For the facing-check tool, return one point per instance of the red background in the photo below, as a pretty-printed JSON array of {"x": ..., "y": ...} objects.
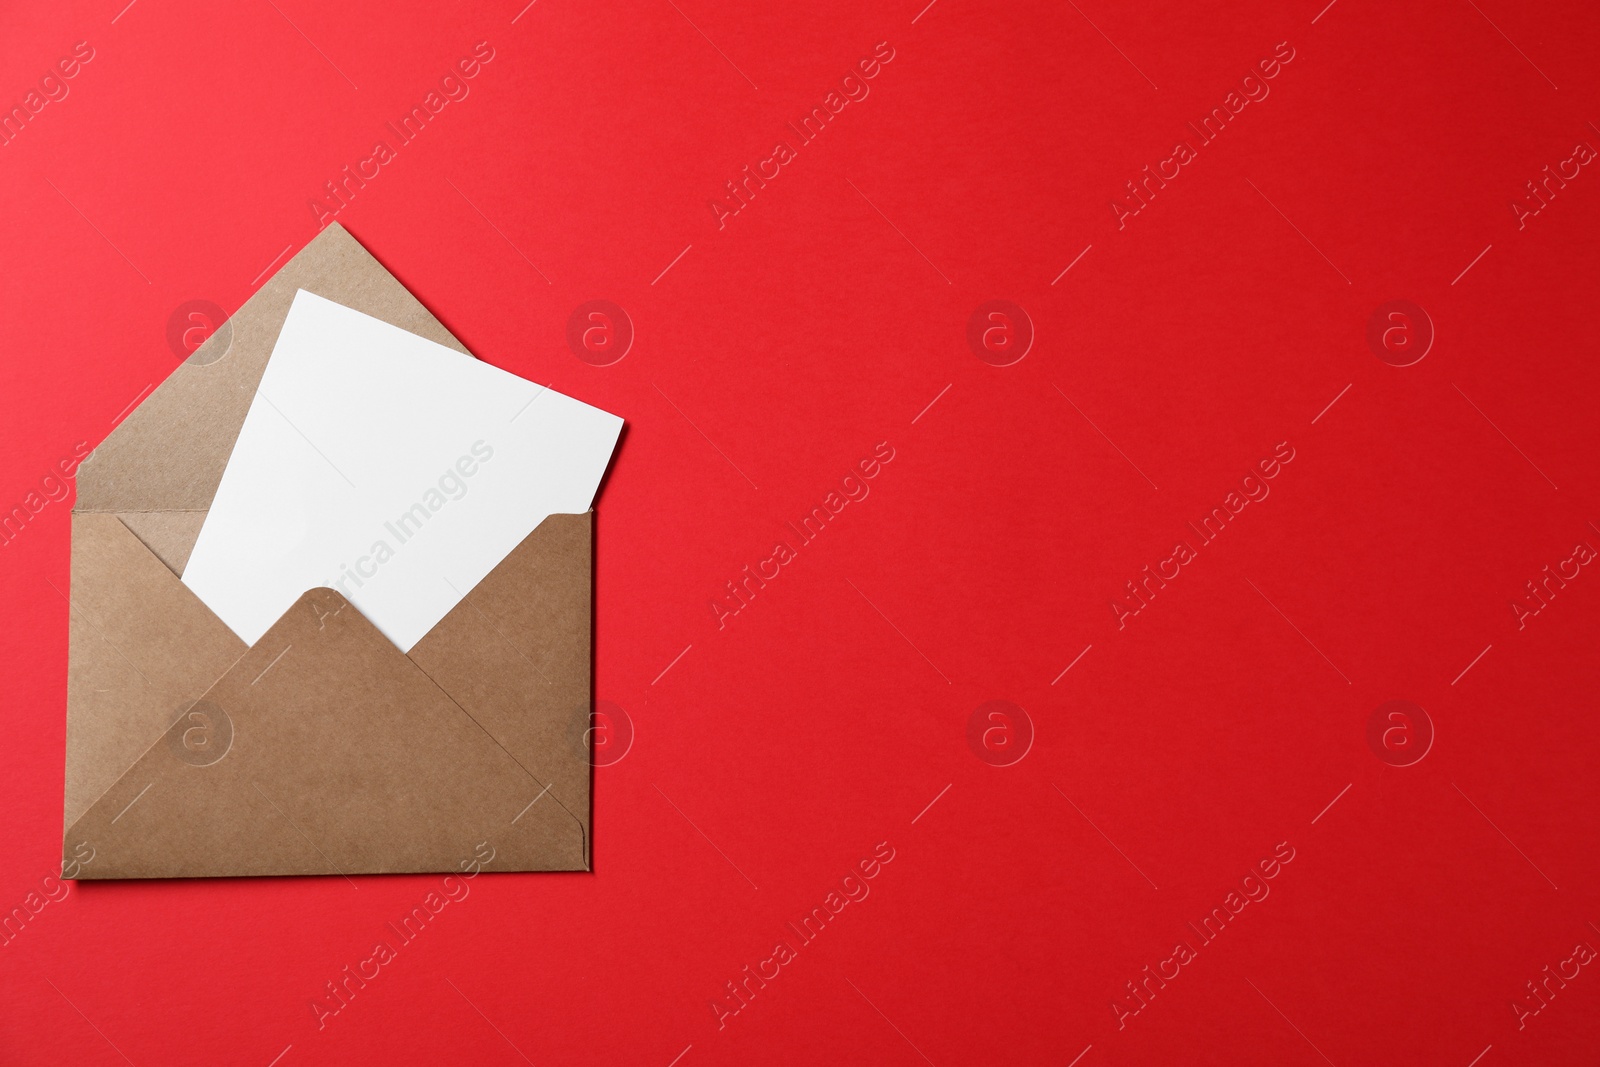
[{"x": 824, "y": 717}]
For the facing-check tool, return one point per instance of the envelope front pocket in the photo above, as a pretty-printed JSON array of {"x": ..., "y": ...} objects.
[{"x": 323, "y": 750}]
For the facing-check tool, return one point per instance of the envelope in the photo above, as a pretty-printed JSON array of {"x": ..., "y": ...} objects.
[{"x": 320, "y": 749}]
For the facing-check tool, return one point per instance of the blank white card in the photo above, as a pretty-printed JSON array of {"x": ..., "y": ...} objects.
[{"x": 391, "y": 468}]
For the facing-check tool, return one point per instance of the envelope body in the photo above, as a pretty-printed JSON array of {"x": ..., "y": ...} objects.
[{"x": 320, "y": 749}]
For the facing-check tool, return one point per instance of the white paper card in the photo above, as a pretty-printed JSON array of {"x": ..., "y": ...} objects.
[{"x": 391, "y": 468}]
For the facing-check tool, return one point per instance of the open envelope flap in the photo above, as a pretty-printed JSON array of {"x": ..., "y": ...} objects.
[
  {"x": 324, "y": 750},
  {"x": 170, "y": 452}
]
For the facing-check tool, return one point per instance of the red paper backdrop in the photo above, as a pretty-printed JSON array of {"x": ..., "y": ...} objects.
[{"x": 1172, "y": 350}]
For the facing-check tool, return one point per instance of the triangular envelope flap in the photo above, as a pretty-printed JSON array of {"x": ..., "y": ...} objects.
[
  {"x": 170, "y": 452},
  {"x": 516, "y": 654},
  {"x": 141, "y": 646},
  {"x": 324, "y": 750},
  {"x": 171, "y": 535}
]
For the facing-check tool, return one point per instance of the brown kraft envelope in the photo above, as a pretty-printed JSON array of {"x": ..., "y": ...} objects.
[{"x": 322, "y": 749}]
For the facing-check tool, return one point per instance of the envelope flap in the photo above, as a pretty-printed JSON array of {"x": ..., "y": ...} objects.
[
  {"x": 324, "y": 750},
  {"x": 171, "y": 535},
  {"x": 170, "y": 452},
  {"x": 141, "y": 647},
  {"x": 515, "y": 653}
]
